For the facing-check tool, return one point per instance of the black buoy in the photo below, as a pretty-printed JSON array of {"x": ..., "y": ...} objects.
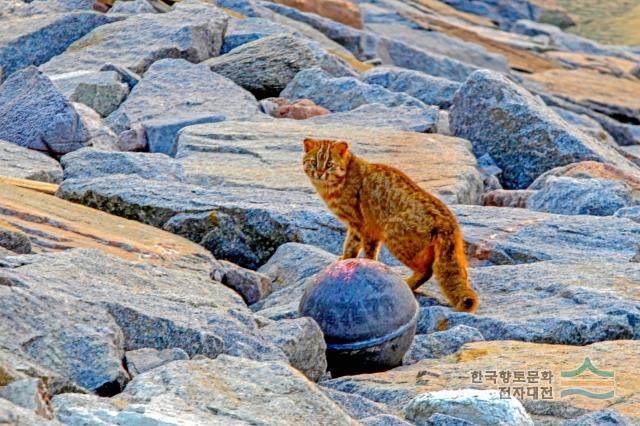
[{"x": 367, "y": 312}]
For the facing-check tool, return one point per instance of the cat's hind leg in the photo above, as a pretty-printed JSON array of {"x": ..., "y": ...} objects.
[
  {"x": 422, "y": 266},
  {"x": 371, "y": 248},
  {"x": 352, "y": 245}
]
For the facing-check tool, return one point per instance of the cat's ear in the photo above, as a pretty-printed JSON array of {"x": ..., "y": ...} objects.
[
  {"x": 308, "y": 144},
  {"x": 341, "y": 148}
]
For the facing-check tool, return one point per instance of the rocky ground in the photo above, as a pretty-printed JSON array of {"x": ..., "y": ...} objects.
[{"x": 157, "y": 230}]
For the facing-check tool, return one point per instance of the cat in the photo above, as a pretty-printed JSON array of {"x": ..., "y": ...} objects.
[{"x": 380, "y": 204}]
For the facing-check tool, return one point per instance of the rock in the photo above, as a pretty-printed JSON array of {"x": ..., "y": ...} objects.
[
  {"x": 298, "y": 110},
  {"x": 35, "y": 115},
  {"x": 157, "y": 102},
  {"x": 479, "y": 406},
  {"x": 440, "y": 343},
  {"x": 429, "y": 89},
  {"x": 210, "y": 391},
  {"x": 590, "y": 169},
  {"x": 409, "y": 119},
  {"x": 586, "y": 124},
  {"x": 341, "y": 11},
  {"x": 516, "y": 198},
  {"x": 384, "y": 420},
  {"x": 89, "y": 163},
  {"x": 632, "y": 213},
  {"x": 599, "y": 418},
  {"x": 12, "y": 414},
  {"x": 102, "y": 91},
  {"x": 505, "y": 14},
  {"x": 35, "y": 40},
  {"x": 442, "y": 45},
  {"x": 357, "y": 406},
  {"x": 615, "y": 97},
  {"x": 126, "y": 76},
  {"x": 342, "y": 94},
  {"x": 15, "y": 241},
  {"x": 399, "y": 386},
  {"x": 192, "y": 31},
  {"x": 242, "y": 31},
  {"x": 442, "y": 127},
  {"x": 142, "y": 360},
  {"x": 565, "y": 195},
  {"x": 67, "y": 336},
  {"x": 252, "y": 286},
  {"x": 23, "y": 163},
  {"x": 302, "y": 341},
  {"x": 100, "y": 135},
  {"x": 438, "y": 419},
  {"x": 150, "y": 303},
  {"x": 265, "y": 66},
  {"x": 30, "y": 394},
  {"x": 132, "y": 7},
  {"x": 523, "y": 136}
]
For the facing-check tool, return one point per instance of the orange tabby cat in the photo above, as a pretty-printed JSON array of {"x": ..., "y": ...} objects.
[{"x": 380, "y": 204}]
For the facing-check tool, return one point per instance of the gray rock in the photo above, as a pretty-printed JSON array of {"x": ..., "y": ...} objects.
[
  {"x": 410, "y": 119},
  {"x": 102, "y": 91},
  {"x": 523, "y": 136},
  {"x": 265, "y": 66},
  {"x": 251, "y": 285},
  {"x": 23, "y": 163},
  {"x": 15, "y": 241},
  {"x": 21, "y": 8},
  {"x": 192, "y": 31},
  {"x": 384, "y": 420},
  {"x": 548, "y": 302},
  {"x": 100, "y": 135},
  {"x": 69, "y": 337},
  {"x": 586, "y": 124},
  {"x": 35, "y": 115},
  {"x": 440, "y": 343},
  {"x": 12, "y": 414},
  {"x": 632, "y": 213},
  {"x": 226, "y": 390},
  {"x": 357, "y": 406},
  {"x": 89, "y": 163},
  {"x": 342, "y": 94},
  {"x": 429, "y": 89},
  {"x": 302, "y": 341},
  {"x": 132, "y": 7},
  {"x": 30, "y": 394},
  {"x": 158, "y": 104},
  {"x": 35, "y": 40},
  {"x": 482, "y": 407},
  {"x": 151, "y": 305},
  {"x": 438, "y": 419},
  {"x": 126, "y": 76},
  {"x": 142, "y": 360},
  {"x": 439, "y": 43},
  {"x": 571, "y": 196},
  {"x": 242, "y": 31},
  {"x": 599, "y": 418}
]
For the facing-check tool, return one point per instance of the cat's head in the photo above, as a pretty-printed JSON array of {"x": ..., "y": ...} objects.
[{"x": 325, "y": 161}]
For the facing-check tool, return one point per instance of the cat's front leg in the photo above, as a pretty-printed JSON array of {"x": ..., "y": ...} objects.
[
  {"x": 371, "y": 248},
  {"x": 352, "y": 245}
]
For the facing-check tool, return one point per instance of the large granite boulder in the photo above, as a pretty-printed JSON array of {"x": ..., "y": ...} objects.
[
  {"x": 565, "y": 195},
  {"x": 192, "y": 31},
  {"x": 157, "y": 107},
  {"x": 23, "y": 163},
  {"x": 342, "y": 94},
  {"x": 429, "y": 89},
  {"x": 225, "y": 390},
  {"x": 265, "y": 66},
  {"x": 523, "y": 136},
  {"x": 35, "y": 40},
  {"x": 35, "y": 115}
]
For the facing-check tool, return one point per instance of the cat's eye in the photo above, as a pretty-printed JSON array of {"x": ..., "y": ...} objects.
[{"x": 329, "y": 165}]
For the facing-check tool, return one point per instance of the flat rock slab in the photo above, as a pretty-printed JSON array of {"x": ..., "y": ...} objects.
[
  {"x": 269, "y": 155},
  {"x": 54, "y": 224},
  {"x": 192, "y": 31},
  {"x": 616, "y": 97},
  {"x": 23, "y": 163},
  {"x": 396, "y": 387},
  {"x": 35, "y": 40},
  {"x": 223, "y": 391},
  {"x": 149, "y": 303},
  {"x": 159, "y": 105}
]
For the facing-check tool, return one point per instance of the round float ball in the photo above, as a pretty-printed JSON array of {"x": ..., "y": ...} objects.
[{"x": 367, "y": 312}]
